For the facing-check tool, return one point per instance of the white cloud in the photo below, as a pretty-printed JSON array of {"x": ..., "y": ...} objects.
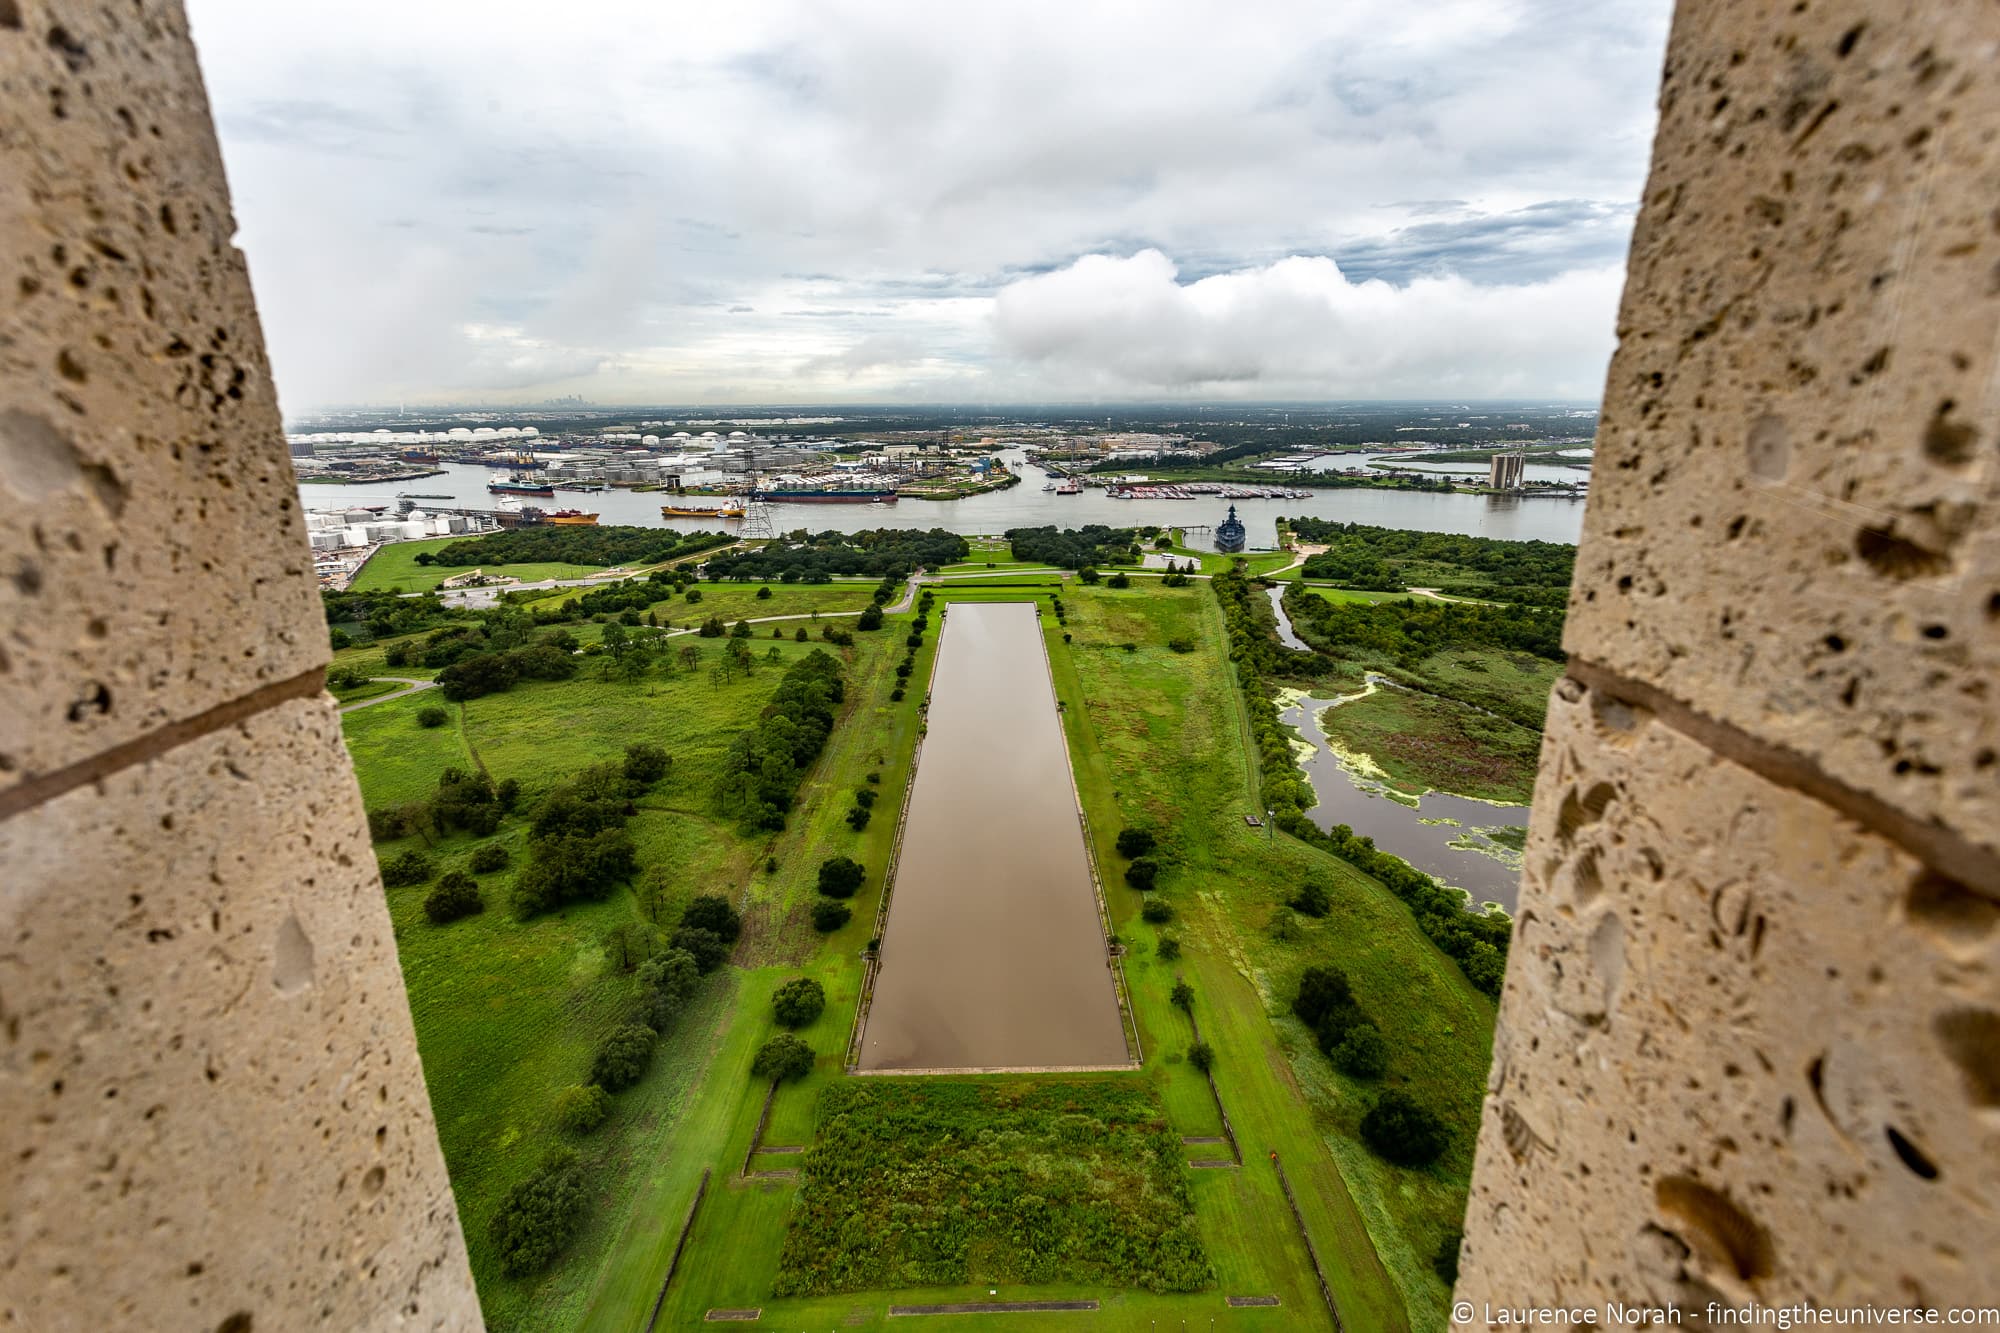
[{"x": 1299, "y": 328}]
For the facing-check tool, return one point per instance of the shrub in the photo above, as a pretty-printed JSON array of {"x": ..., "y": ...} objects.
[
  {"x": 874, "y": 779},
  {"x": 646, "y": 763},
  {"x": 1285, "y": 925},
  {"x": 455, "y": 896},
  {"x": 783, "y": 1056},
  {"x": 1322, "y": 991},
  {"x": 581, "y": 1107},
  {"x": 712, "y": 912},
  {"x": 829, "y": 916},
  {"x": 706, "y": 946},
  {"x": 764, "y": 594},
  {"x": 798, "y": 1002},
  {"x": 1362, "y": 1053},
  {"x": 1135, "y": 842},
  {"x": 865, "y": 796},
  {"x": 1403, "y": 1131},
  {"x": 1202, "y": 1056},
  {"x": 800, "y": 636},
  {"x": 622, "y": 1057},
  {"x": 913, "y": 641},
  {"x": 1118, "y": 580},
  {"x": 486, "y": 858},
  {"x": 840, "y": 876},
  {"x": 1169, "y": 949},
  {"x": 412, "y": 867},
  {"x": 540, "y": 1215},
  {"x": 896, "y": 695},
  {"x": 1313, "y": 899},
  {"x": 430, "y": 715},
  {"x": 770, "y": 865},
  {"x": 1142, "y": 873},
  {"x": 711, "y": 628},
  {"x": 694, "y": 594},
  {"x": 740, "y": 630},
  {"x": 1157, "y": 911},
  {"x": 1183, "y": 997},
  {"x": 839, "y": 638},
  {"x": 1088, "y": 574},
  {"x": 1179, "y": 645},
  {"x": 386, "y": 822},
  {"x": 857, "y": 818},
  {"x": 871, "y": 619}
]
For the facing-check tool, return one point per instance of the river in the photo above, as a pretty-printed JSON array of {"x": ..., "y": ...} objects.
[
  {"x": 994, "y": 956},
  {"x": 1422, "y": 834},
  {"x": 1512, "y": 518}
]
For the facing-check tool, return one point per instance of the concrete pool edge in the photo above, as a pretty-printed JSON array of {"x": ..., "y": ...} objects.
[{"x": 1113, "y": 953}]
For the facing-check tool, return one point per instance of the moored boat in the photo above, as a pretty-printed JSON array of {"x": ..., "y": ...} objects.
[
  {"x": 571, "y": 517},
  {"x": 696, "y": 511},
  {"x": 520, "y": 488},
  {"x": 828, "y": 497}
]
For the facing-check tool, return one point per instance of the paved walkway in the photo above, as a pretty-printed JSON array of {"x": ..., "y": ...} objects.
[{"x": 410, "y": 687}]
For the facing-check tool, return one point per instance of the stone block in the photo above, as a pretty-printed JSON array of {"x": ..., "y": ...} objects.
[
  {"x": 153, "y": 564},
  {"x": 1746, "y": 1050},
  {"x": 1794, "y": 523},
  {"x": 215, "y": 1113}
]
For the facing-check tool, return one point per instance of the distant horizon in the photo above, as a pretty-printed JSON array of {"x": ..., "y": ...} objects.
[{"x": 886, "y": 406}]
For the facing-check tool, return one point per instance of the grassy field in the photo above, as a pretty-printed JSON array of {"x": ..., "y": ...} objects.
[
  {"x": 1426, "y": 742},
  {"x": 984, "y": 1181},
  {"x": 394, "y": 568},
  {"x": 507, "y": 1011}
]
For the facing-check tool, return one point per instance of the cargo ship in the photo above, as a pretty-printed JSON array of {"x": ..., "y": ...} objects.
[
  {"x": 520, "y": 488},
  {"x": 418, "y": 456},
  {"x": 828, "y": 497},
  {"x": 509, "y": 460},
  {"x": 570, "y": 517},
  {"x": 696, "y": 511}
]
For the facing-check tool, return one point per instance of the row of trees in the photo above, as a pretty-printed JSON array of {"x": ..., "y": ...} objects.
[
  {"x": 816, "y": 558},
  {"x": 1075, "y": 548},
  {"x": 765, "y": 765},
  {"x": 611, "y": 544},
  {"x": 1477, "y": 943}
]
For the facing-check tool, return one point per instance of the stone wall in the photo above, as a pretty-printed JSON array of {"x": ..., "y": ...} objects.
[
  {"x": 1749, "y": 1047},
  {"x": 211, "y": 1106}
]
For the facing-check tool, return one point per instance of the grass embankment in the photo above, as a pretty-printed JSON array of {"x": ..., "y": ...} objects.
[
  {"x": 1160, "y": 742},
  {"x": 1425, "y": 742},
  {"x": 394, "y": 568}
]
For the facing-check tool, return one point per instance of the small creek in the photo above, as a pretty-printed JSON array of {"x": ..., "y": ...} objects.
[{"x": 1422, "y": 830}]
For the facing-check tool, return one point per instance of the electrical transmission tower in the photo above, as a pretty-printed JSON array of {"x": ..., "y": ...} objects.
[{"x": 756, "y": 514}]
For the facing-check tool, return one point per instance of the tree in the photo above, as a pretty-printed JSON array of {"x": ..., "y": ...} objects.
[
  {"x": 1158, "y": 911},
  {"x": 430, "y": 715},
  {"x": 616, "y": 639},
  {"x": 581, "y": 1107},
  {"x": 711, "y": 628},
  {"x": 1445, "y": 1262},
  {"x": 798, "y": 1002},
  {"x": 741, "y": 630},
  {"x": 840, "y": 876},
  {"x": 540, "y": 1216},
  {"x": 1183, "y": 997},
  {"x": 667, "y": 981},
  {"x": 800, "y": 635},
  {"x": 412, "y": 867},
  {"x": 486, "y": 858},
  {"x": 712, "y": 912},
  {"x": 455, "y": 896},
  {"x": 871, "y": 618},
  {"x": 706, "y": 947},
  {"x": 622, "y": 1057},
  {"x": 783, "y": 1056},
  {"x": 1135, "y": 842},
  {"x": 1201, "y": 1055},
  {"x": 1314, "y": 898},
  {"x": 1403, "y": 1131},
  {"x": 1118, "y": 580},
  {"x": 764, "y": 594},
  {"x": 1362, "y": 1053},
  {"x": 857, "y": 818},
  {"x": 1142, "y": 873},
  {"x": 628, "y": 944},
  {"x": 829, "y": 916},
  {"x": 1169, "y": 948},
  {"x": 1322, "y": 991},
  {"x": 1163, "y": 542}
]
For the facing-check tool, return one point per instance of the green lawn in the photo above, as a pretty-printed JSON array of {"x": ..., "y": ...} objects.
[
  {"x": 739, "y": 601},
  {"x": 395, "y": 568}
]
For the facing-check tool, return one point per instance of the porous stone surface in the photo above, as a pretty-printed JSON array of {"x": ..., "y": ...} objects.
[
  {"x": 153, "y": 562},
  {"x": 209, "y": 1082},
  {"x": 1794, "y": 520},
  {"x": 1747, "y": 1049}
]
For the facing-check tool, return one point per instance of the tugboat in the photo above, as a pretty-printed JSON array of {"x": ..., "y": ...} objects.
[{"x": 1230, "y": 534}]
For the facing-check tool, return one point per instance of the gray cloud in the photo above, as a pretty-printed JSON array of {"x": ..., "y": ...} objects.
[{"x": 754, "y": 202}]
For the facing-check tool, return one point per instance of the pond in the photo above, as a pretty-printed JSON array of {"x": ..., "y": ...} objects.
[
  {"x": 994, "y": 955},
  {"x": 1439, "y": 833}
]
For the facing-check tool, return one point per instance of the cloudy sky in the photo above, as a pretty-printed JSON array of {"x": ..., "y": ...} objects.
[{"x": 840, "y": 200}]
